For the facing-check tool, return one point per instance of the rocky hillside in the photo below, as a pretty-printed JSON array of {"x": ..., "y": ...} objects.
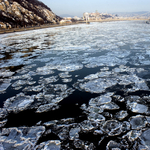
[{"x": 19, "y": 13}]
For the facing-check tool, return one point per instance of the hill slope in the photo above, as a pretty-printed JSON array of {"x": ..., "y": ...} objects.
[{"x": 25, "y": 12}]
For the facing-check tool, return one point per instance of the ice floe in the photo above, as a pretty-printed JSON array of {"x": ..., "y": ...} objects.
[
  {"x": 20, "y": 138},
  {"x": 4, "y": 84}
]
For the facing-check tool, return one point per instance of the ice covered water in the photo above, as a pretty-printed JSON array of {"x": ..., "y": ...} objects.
[{"x": 96, "y": 74}]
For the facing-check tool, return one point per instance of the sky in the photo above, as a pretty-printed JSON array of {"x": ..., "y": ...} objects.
[{"x": 78, "y": 7}]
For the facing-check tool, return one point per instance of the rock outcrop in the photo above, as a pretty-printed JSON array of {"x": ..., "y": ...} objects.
[{"x": 19, "y": 13}]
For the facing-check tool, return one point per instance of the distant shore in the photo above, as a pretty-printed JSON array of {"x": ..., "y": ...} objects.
[{"x": 4, "y": 31}]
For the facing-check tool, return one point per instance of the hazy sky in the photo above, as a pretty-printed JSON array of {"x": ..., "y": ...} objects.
[{"x": 78, "y": 7}]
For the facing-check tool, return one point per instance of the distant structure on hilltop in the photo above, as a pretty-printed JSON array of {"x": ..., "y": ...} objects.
[{"x": 96, "y": 16}]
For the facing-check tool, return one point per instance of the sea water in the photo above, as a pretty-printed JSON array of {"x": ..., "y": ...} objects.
[{"x": 74, "y": 82}]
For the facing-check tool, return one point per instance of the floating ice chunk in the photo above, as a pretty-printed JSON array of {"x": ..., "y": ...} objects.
[
  {"x": 113, "y": 145},
  {"x": 138, "y": 122},
  {"x": 91, "y": 76},
  {"x": 79, "y": 144},
  {"x": 100, "y": 100},
  {"x": 104, "y": 74},
  {"x": 24, "y": 104},
  {"x": 49, "y": 145},
  {"x": 1, "y": 56},
  {"x": 3, "y": 123},
  {"x": 137, "y": 108},
  {"x": 6, "y": 73},
  {"x": 133, "y": 135},
  {"x": 98, "y": 85},
  {"x": 119, "y": 98},
  {"x": 143, "y": 147},
  {"x": 4, "y": 84},
  {"x": 50, "y": 123},
  {"x": 67, "y": 80},
  {"x": 46, "y": 108},
  {"x": 21, "y": 138},
  {"x": 18, "y": 103},
  {"x": 139, "y": 84},
  {"x": 110, "y": 106},
  {"x": 37, "y": 88},
  {"x": 31, "y": 82},
  {"x": 19, "y": 83},
  {"x": 94, "y": 109},
  {"x": 87, "y": 126},
  {"x": 70, "y": 67},
  {"x": 49, "y": 80},
  {"x": 74, "y": 133},
  {"x": 63, "y": 132},
  {"x": 112, "y": 127},
  {"x": 46, "y": 70},
  {"x": 126, "y": 126},
  {"x": 61, "y": 87},
  {"x": 64, "y": 75},
  {"x": 121, "y": 115},
  {"x": 148, "y": 119},
  {"x": 3, "y": 113},
  {"x": 145, "y": 138},
  {"x": 98, "y": 132},
  {"x": 126, "y": 80},
  {"x": 105, "y": 69},
  {"x": 96, "y": 117}
]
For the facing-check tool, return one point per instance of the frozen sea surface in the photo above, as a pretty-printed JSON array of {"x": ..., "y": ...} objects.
[{"x": 77, "y": 87}]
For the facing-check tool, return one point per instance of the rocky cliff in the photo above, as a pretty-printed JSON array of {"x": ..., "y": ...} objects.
[{"x": 19, "y": 13}]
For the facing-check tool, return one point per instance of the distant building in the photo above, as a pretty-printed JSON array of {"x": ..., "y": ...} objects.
[
  {"x": 77, "y": 18},
  {"x": 86, "y": 16},
  {"x": 95, "y": 16}
]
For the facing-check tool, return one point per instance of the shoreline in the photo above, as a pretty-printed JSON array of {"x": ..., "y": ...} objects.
[{"x": 5, "y": 31}]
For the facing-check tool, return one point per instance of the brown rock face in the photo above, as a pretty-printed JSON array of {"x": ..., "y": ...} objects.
[{"x": 26, "y": 12}]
